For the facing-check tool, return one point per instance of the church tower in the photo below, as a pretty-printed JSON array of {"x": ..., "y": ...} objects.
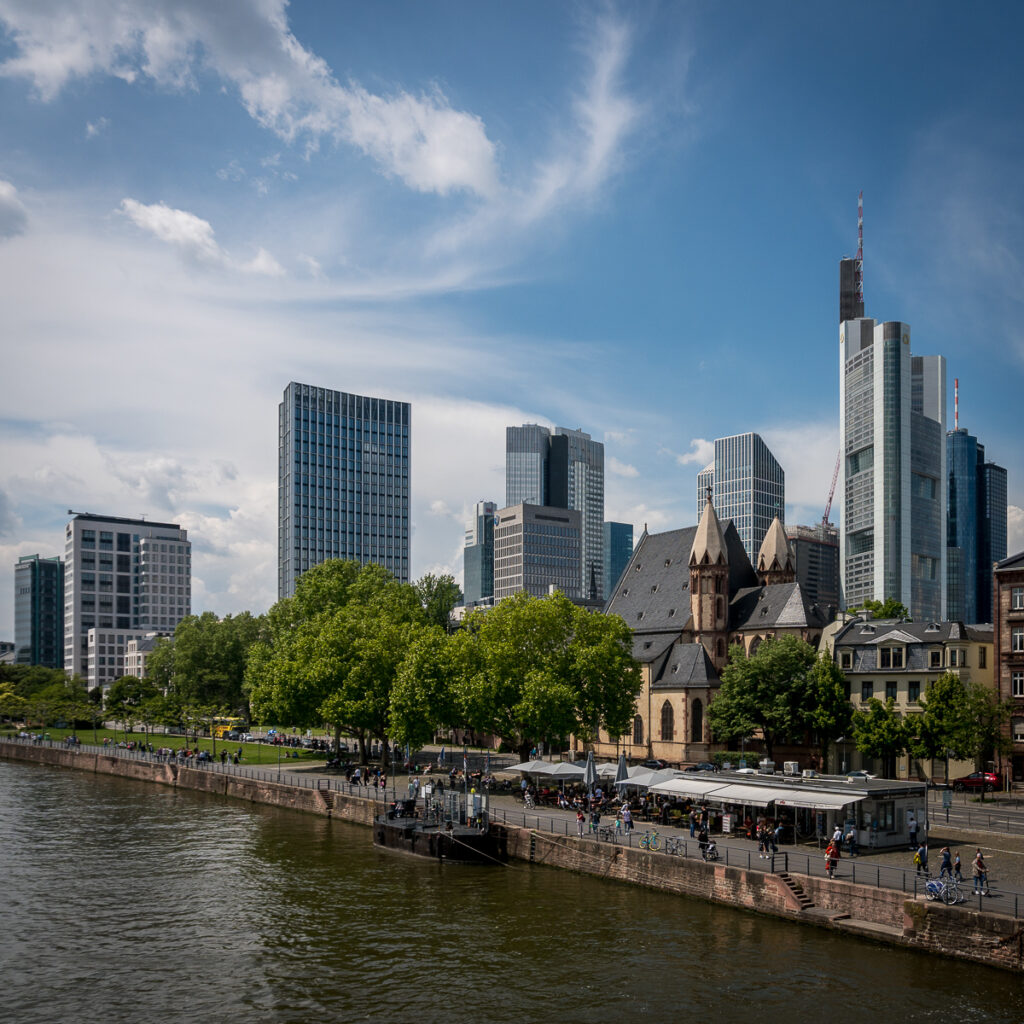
[
  {"x": 775, "y": 562},
  {"x": 709, "y": 586}
]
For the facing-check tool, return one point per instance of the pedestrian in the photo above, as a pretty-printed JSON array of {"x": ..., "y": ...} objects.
[
  {"x": 912, "y": 828},
  {"x": 702, "y": 842},
  {"x": 946, "y": 864},
  {"x": 851, "y": 840},
  {"x": 831, "y": 859},
  {"x": 580, "y": 819},
  {"x": 693, "y": 822},
  {"x": 957, "y": 874},
  {"x": 979, "y": 872},
  {"x": 837, "y": 835},
  {"x": 777, "y": 838},
  {"x": 595, "y": 817},
  {"x": 627, "y": 818},
  {"x": 921, "y": 859}
]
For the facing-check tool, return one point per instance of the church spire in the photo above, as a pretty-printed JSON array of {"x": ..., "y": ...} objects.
[{"x": 709, "y": 543}]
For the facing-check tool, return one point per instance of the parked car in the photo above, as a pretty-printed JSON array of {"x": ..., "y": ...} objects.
[
  {"x": 859, "y": 773},
  {"x": 988, "y": 781},
  {"x": 704, "y": 766},
  {"x": 655, "y": 764}
]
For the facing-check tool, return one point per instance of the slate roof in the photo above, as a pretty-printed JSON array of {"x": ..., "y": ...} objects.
[
  {"x": 653, "y": 593},
  {"x": 1013, "y": 562},
  {"x": 863, "y": 638},
  {"x": 684, "y": 665},
  {"x": 775, "y": 553},
  {"x": 774, "y": 607},
  {"x": 708, "y": 543}
]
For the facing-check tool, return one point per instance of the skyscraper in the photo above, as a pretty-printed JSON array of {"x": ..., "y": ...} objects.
[
  {"x": 39, "y": 611},
  {"x": 123, "y": 579},
  {"x": 816, "y": 553},
  {"x": 892, "y": 425},
  {"x": 562, "y": 468},
  {"x": 478, "y": 556},
  {"x": 537, "y": 548},
  {"x": 851, "y": 305},
  {"x": 618, "y": 549},
  {"x": 748, "y": 487},
  {"x": 342, "y": 482},
  {"x": 976, "y": 526}
]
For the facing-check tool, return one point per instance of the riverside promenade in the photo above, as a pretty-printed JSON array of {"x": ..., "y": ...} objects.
[{"x": 874, "y": 896}]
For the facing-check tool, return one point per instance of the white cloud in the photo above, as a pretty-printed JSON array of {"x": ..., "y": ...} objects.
[
  {"x": 13, "y": 215},
  {"x": 285, "y": 87},
  {"x": 194, "y": 237},
  {"x": 1014, "y": 529},
  {"x": 620, "y": 468},
  {"x": 700, "y": 454},
  {"x": 97, "y": 127},
  {"x": 807, "y": 453}
]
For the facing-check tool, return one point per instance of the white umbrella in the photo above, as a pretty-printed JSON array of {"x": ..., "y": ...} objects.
[
  {"x": 531, "y": 768},
  {"x": 564, "y": 770},
  {"x": 645, "y": 779}
]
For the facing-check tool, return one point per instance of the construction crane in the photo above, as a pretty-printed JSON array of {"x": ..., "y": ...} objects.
[{"x": 831, "y": 491}]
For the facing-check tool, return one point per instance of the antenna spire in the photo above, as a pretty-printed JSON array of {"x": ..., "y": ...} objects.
[{"x": 956, "y": 403}]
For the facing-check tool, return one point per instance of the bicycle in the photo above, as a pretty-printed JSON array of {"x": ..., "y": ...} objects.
[
  {"x": 650, "y": 840},
  {"x": 674, "y": 845},
  {"x": 946, "y": 889}
]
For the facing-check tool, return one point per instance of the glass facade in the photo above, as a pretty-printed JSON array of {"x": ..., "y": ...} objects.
[
  {"x": 991, "y": 531},
  {"x": 537, "y": 548},
  {"x": 562, "y": 468},
  {"x": 618, "y": 549},
  {"x": 478, "y": 555},
  {"x": 343, "y": 482},
  {"x": 749, "y": 487},
  {"x": 39, "y": 611}
]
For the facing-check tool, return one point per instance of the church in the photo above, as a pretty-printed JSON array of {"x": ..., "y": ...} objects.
[{"x": 688, "y": 595}]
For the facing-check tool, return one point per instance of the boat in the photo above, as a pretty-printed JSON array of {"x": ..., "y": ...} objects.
[{"x": 441, "y": 829}]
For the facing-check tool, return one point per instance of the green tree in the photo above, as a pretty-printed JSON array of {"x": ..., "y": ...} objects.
[
  {"x": 125, "y": 698},
  {"x": 946, "y": 725},
  {"x": 831, "y": 712},
  {"x": 438, "y": 595},
  {"x": 881, "y": 732},
  {"x": 423, "y": 698},
  {"x": 770, "y": 691},
  {"x": 890, "y": 608},
  {"x": 534, "y": 669}
]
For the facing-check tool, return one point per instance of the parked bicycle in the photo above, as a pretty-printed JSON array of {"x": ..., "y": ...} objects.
[
  {"x": 945, "y": 889},
  {"x": 675, "y": 845},
  {"x": 650, "y": 840}
]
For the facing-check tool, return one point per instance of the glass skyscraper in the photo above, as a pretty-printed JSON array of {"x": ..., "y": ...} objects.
[
  {"x": 892, "y": 425},
  {"x": 976, "y": 527},
  {"x": 478, "y": 556},
  {"x": 343, "y": 482},
  {"x": 618, "y": 549},
  {"x": 562, "y": 468},
  {"x": 39, "y": 611},
  {"x": 748, "y": 487}
]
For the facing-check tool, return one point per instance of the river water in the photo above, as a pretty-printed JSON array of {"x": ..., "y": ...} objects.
[{"x": 126, "y": 901}]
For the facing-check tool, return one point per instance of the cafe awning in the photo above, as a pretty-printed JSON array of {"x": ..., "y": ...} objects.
[
  {"x": 759, "y": 796},
  {"x": 819, "y": 801},
  {"x": 695, "y": 787}
]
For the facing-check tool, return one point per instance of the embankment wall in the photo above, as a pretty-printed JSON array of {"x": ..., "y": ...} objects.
[{"x": 992, "y": 939}]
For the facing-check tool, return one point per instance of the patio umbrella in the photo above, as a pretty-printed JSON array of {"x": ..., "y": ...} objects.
[
  {"x": 645, "y": 779},
  {"x": 621, "y": 772},
  {"x": 531, "y": 767},
  {"x": 590, "y": 774},
  {"x": 564, "y": 770}
]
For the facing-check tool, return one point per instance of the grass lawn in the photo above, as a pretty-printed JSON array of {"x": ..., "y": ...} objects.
[{"x": 252, "y": 753}]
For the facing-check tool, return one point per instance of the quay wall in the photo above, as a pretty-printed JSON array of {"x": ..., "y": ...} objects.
[{"x": 886, "y": 915}]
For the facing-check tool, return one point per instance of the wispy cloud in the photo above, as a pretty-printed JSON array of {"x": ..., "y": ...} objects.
[
  {"x": 700, "y": 454},
  {"x": 97, "y": 127},
  {"x": 621, "y": 468},
  {"x": 13, "y": 215}
]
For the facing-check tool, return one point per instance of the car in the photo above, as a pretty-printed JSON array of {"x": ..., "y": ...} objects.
[
  {"x": 746, "y": 771},
  {"x": 859, "y": 773},
  {"x": 655, "y": 764},
  {"x": 986, "y": 781},
  {"x": 704, "y": 766}
]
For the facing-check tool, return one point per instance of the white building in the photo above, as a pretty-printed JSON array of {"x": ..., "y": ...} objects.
[
  {"x": 123, "y": 579},
  {"x": 892, "y": 432},
  {"x": 537, "y": 548}
]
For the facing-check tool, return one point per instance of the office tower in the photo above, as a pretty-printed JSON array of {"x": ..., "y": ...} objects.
[
  {"x": 478, "y": 556},
  {"x": 816, "y": 552},
  {"x": 892, "y": 426},
  {"x": 851, "y": 274},
  {"x": 991, "y": 533},
  {"x": 562, "y": 468},
  {"x": 748, "y": 487},
  {"x": 537, "y": 548},
  {"x": 39, "y": 611},
  {"x": 618, "y": 549},
  {"x": 342, "y": 482},
  {"x": 123, "y": 579}
]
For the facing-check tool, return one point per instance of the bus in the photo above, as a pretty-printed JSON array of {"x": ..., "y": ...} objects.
[{"x": 220, "y": 727}]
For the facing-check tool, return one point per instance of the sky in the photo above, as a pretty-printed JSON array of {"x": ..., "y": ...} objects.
[{"x": 621, "y": 218}]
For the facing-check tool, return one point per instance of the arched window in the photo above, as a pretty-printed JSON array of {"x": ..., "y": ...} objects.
[
  {"x": 721, "y": 648},
  {"x": 719, "y": 607},
  {"x": 696, "y": 722},
  {"x": 638, "y": 730},
  {"x": 668, "y": 722}
]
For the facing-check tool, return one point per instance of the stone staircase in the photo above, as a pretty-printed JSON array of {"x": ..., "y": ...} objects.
[{"x": 797, "y": 890}]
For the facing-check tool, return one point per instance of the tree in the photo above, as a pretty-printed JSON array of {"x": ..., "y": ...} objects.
[
  {"x": 423, "y": 698},
  {"x": 890, "y": 608},
  {"x": 126, "y": 697},
  {"x": 831, "y": 713},
  {"x": 990, "y": 715},
  {"x": 539, "y": 669},
  {"x": 770, "y": 691},
  {"x": 438, "y": 595},
  {"x": 881, "y": 732},
  {"x": 947, "y": 724}
]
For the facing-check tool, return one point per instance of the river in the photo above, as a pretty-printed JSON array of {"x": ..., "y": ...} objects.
[{"x": 126, "y": 901}]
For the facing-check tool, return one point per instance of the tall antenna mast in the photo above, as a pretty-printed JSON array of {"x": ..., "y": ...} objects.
[
  {"x": 956, "y": 403},
  {"x": 859, "y": 269}
]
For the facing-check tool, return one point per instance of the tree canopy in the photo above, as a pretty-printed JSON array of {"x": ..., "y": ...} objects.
[
  {"x": 881, "y": 732},
  {"x": 771, "y": 691},
  {"x": 890, "y": 608}
]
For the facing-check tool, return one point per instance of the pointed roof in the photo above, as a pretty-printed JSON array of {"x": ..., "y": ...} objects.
[
  {"x": 708, "y": 543},
  {"x": 775, "y": 553}
]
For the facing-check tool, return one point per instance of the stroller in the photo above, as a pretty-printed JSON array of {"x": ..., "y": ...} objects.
[{"x": 711, "y": 853}]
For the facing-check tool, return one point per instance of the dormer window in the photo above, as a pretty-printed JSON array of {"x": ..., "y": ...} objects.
[
  {"x": 890, "y": 657},
  {"x": 654, "y": 589},
  {"x": 671, "y": 612},
  {"x": 846, "y": 659},
  {"x": 935, "y": 659},
  {"x": 668, "y": 562},
  {"x": 867, "y": 631}
]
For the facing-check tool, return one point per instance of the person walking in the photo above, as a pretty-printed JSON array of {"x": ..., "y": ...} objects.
[
  {"x": 957, "y": 873},
  {"x": 580, "y": 819},
  {"x": 912, "y": 829},
  {"x": 831, "y": 859},
  {"x": 851, "y": 840},
  {"x": 979, "y": 873},
  {"x": 627, "y": 819},
  {"x": 693, "y": 822},
  {"x": 921, "y": 859},
  {"x": 946, "y": 864}
]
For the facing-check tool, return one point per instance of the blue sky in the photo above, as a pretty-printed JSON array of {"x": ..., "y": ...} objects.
[{"x": 622, "y": 218}]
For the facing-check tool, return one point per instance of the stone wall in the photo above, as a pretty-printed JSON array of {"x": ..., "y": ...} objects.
[{"x": 957, "y": 932}]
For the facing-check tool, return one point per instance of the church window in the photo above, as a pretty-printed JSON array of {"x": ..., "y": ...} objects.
[
  {"x": 696, "y": 722},
  {"x": 668, "y": 722},
  {"x": 638, "y": 730}
]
